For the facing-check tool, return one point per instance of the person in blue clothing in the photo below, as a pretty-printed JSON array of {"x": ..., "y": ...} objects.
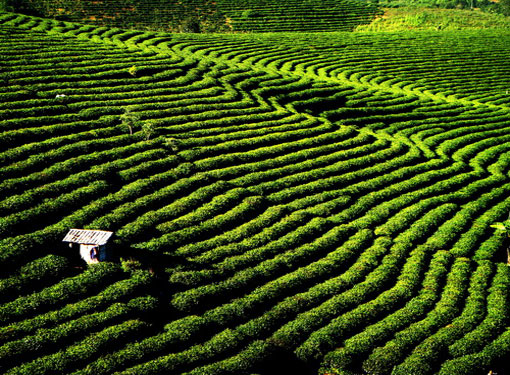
[{"x": 94, "y": 253}]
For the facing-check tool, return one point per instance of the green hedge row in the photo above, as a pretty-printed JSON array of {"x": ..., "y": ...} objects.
[
  {"x": 73, "y": 159},
  {"x": 358, "y": 346},
  {"x": 338, "y": 174},
  {"x": 235, "y": 240},
  {"x": 479, "y": 228},
  {"x": 185, "y": 329},
  {"x": 32, "y": 128},
  {"x": 272, "y": 224},
  {"x": 269, "y": 320},
  {"x": 285, "y": 261},
  {"x": 85, "y": 350},
  {"x": 22, "y": 152},
  {"x": 33, "y": 275},
  {"x": 323, "y": 340},
  {"x": 296, "y": 332},
  {"x": 143, "y": 194},
  {"x": 218, "y": 205},
  {"x": 461, "y": 139},
  {"x": 169, "y": 240},
  {"x": 273, "y": 160},
  {"x": 188, "y": 202},
  {"x": 152, "y": 159},
  {"x": 115, "y": 292},
  {"x": 386, "y": 203},
  {"x": 48, "y": 339},
  {"x": 206, "y": 140},
  {"x": 61, "y": 293},
  {"x": 427, "y": 355},
  {"x": 383, "y": 359},
  {"x": 28, "y": 220},
  {"x": 250, "y": 252},
  {"x": 257, "y": 16},
  {"x": 496, "y": 350},
  {"x": 495, "y": 320}
]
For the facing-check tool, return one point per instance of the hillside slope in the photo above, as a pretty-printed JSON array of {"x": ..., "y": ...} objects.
[
  {"x": 297, "y": 15},
  {"x": 422, "y": 18},
  {"x": 208, "y": 15},
  {"x": 306, "y": 202}
]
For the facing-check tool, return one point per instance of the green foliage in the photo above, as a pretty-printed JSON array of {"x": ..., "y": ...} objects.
[
  {"x": 133, "y": 70},
  {"x": 307, "y": 16},
  {"x": 6, "y": 6},
  {"x": 140, "y": 14},
  {"x": 148, "y": 129},
  {"x": 325, "y": 198},
  {"x": 130, "y": 120},
  {"x": 422, "y": 18},
  {"x": 58, "y": 294},
  {"x": 249, "y": 13},
  {"x": 504, "y": 7},
  {"x": 190, "y": 25},
  {"x": 130, "y": 264},
  {"x": 196, "y": 16},
  {"x": 448, "y": 4},
  {"x": 504, "y": 227},
  {"x": 35, "y": 274}
]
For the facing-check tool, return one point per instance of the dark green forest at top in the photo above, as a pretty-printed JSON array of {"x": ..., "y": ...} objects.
[{"x": 206, "y": 15}]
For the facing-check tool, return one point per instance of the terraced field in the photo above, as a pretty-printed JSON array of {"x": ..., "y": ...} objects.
[
  {"x": 209, "y": 15},
  {"x": 315, "y": 202},
  {"x": 296, "y": 15},
  {"x": 174, "y": 15}
]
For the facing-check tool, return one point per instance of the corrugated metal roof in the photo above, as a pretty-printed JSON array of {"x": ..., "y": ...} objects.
[{"x": 86, "y": 236}]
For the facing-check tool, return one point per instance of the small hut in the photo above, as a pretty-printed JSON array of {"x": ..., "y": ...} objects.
[{"x": 92, "y": 244}]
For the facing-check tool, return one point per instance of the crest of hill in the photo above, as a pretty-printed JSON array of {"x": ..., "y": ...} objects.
[
  {"x": 207, "y": 15},
  {"x": 426, "y": 18}
]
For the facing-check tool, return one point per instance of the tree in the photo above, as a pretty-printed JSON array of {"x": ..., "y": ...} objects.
[
  {"x": 148, "y": 128},
  {"x": 130, "y": 120},
  {"x": 133, "y": 70},
  {"x": 173, "y": 144},
  {"x": 190, "y": 25},
  {"x": 504, "y": 5},
  {"x": 5, "y": 6},
  {"x": 504, "y": 227}
]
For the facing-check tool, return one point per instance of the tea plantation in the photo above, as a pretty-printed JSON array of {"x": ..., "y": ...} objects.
[
  {"x": 295, "y": 203},
  {"x": 208, "y": 15}
]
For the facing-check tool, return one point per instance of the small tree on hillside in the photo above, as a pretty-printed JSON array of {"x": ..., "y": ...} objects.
[
  {"x": 504, "y": 6},
  {"x": 5, "y": 6},
  {"x": 148, "y": 128},
  {"x": 504, "y": 227},
  {"x": 190, "y": 25},
  {"x": 133, "y": 70},
  {"x": 173, "y": 144},
  {"x": 130, "y": 120}
]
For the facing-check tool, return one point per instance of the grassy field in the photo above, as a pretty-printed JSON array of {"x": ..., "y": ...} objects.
[
  {"x": 423, "y": 18},
  {"x": 312, "y": 203}
]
